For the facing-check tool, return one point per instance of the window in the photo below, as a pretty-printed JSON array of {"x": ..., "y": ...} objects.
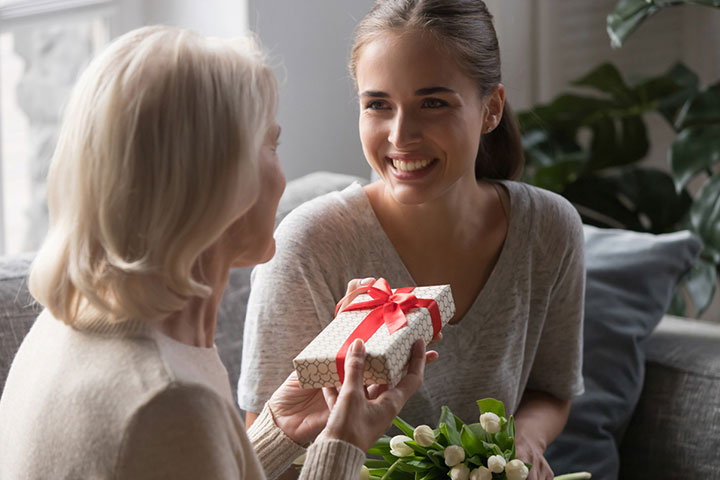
[{"x": 44, "y": 45}]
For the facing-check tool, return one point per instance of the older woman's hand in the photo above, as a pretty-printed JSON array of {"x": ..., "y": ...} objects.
[
  {"x": 299, "y": 412},
  {"x": 359, "y": 415}
]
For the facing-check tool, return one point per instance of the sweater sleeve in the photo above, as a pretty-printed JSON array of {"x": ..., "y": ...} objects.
[
  {"x": 332, "y": 459},
  {"x": 274, "y": 449},
  {"x": 557, "y": 367},
  {"x": 327, "y": 459}
]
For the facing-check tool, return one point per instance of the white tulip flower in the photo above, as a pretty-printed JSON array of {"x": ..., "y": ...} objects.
[
  {"x": 516, "y": 470},
  {"x": 398, "y": 446},
  {"x": 364, "y": 473},
  {"x": 490, "y": 422},
  {"x": 496, "y": 464},
  {"x": 481, "y": 473},
  {"x": 460, "y": 472},
  {"x": 424, "y": 435},
  {"x": 454, "y": 455}
]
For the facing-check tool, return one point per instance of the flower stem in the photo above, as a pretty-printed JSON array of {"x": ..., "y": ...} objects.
[
  {"x": 573, "y": 476},
  {"x": 391, "y": 469}
]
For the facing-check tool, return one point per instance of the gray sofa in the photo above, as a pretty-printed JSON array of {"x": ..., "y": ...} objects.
[{"x": 675, "y": 428}]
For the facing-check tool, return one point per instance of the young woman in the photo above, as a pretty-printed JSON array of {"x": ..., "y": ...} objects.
[
  {"x": 166, "y": 176},
  {"x": 435, "y": 128}
]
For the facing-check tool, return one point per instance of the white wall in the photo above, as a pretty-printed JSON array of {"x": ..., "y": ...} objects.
[
  {"x": 224, "y": 18},
  {"x": 310, "y": 40}
]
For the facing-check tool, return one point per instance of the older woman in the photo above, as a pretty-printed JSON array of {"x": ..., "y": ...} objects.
[{"x": 166, "y": 176}]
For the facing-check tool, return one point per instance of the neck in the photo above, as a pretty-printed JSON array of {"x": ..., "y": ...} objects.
[
  {"x": 195, "y": 324},
  {"x": 455, "y": 217}
]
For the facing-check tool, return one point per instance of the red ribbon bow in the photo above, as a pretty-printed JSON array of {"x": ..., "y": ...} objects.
[{"x": 389, "y": 309}]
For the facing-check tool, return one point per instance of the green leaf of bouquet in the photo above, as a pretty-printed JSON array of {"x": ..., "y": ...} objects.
[
  {"x": 458, "y": 423},
  {"x": 451, "y": 433},
  {"x": 471, "y": 438},
  {"x": 493, "y": 448},
  {"x": 415, "y": 465},
  {"x": 503, "y": 441},
  {"x": 477, "y": 460},
  {"x": 436, "y": 457},
  {"x": 418, "y": 449},
  {"x": 381, "y": 447},
  {"x": 432, "y": 475},
  {"x": 483, "y": 436},
  {"x": 406, "y": 428},
  {"x": 491, "y": 405},
  {"x": 376, "y": 463},
  {"x": 448, "y": 426}
]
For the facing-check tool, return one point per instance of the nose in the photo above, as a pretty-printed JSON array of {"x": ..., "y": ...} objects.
[{"x": 405, "y": 130}]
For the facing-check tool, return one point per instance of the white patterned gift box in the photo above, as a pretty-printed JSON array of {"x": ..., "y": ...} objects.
[{"x": 387, "y": 354}]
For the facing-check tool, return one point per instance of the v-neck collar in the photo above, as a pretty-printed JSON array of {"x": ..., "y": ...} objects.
[{"x": 514, "y": 221}]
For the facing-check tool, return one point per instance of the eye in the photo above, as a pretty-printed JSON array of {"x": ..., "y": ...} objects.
[
  {"x": 434, "y": 103},
  {"x": 376, "y": 105}
]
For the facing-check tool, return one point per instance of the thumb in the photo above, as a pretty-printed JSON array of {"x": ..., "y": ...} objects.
[{"x": 354, "y": 367}]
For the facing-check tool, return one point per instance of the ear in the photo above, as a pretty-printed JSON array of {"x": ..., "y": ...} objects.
[{"x": 494, "y": 105}]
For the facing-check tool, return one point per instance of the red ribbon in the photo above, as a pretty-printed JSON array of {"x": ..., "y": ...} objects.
[{"x": 389, "y": 309}]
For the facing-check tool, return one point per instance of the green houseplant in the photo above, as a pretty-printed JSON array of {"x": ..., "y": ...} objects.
[{"x": 589, "y": 146}]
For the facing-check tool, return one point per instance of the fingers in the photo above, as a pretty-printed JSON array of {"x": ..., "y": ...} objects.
[
  {"x": 330, "y": 395},
  {"x": 436, "y": 339},
  {"x": 354, "y": 367},
  {"x": 353, "y": 285},
  {"x": 431, "y": 356},
  {"x": 356, "y": 283},
  {"x": 375, "y": 390}
]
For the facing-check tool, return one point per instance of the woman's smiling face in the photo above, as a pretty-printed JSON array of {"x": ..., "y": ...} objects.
[{"x": 421, "y": 116}]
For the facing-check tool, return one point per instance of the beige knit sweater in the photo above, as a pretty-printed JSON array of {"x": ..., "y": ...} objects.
[{"x": 130, "y": 403}]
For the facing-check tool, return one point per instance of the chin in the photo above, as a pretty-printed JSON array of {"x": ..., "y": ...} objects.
[{"x": 250, "y": 259}]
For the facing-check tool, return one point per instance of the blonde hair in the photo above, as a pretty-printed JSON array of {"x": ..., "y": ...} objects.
[{"x": 156, "y": 158}]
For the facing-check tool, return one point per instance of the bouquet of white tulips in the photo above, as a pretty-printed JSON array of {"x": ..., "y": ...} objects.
[{"x": 475, "y": 451}]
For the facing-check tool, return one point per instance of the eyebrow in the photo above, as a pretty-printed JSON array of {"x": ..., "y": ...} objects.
[{"x": 421, "y": 92}]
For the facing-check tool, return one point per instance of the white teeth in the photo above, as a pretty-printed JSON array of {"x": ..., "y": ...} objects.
[{"x": 409, "y": 166}]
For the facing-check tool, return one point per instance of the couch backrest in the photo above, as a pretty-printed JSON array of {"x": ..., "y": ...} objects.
[{"x": 17, "y": 308}]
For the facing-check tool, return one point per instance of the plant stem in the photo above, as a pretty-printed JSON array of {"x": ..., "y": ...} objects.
[
  {"x": 573, "y": 476},
  {"x": 391, "y": 469}
]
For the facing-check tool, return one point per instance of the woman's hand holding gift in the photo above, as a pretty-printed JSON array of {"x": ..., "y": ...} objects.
[{"x": 360, "y": 415}]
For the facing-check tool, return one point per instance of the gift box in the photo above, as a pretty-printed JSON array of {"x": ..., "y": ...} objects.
[{"x": 388, "y": 321}]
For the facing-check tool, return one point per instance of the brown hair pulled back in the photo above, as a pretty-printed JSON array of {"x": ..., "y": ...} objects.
[{"x": 465, "y": 28}]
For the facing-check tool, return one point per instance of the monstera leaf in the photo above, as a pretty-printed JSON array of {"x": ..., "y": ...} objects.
[{"x": 629, "y": 14}]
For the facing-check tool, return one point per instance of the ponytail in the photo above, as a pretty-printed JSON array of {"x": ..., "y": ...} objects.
[{"x": 501, "y": 154}]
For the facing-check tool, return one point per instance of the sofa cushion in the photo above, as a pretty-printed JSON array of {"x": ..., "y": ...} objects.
[
  {"x": 631, "y": 278},
  {"x": 17, "y": 308},
  {"x": 681, "y": 395}
]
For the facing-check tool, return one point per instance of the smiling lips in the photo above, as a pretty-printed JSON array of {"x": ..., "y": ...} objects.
[{"x": 408, "y": 165}]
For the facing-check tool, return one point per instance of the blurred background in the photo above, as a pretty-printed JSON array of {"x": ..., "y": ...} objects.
[{"x": 545, "y": 44}]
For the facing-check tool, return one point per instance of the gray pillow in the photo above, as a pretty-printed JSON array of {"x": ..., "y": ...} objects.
[{"x": 631, "y": 278}]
